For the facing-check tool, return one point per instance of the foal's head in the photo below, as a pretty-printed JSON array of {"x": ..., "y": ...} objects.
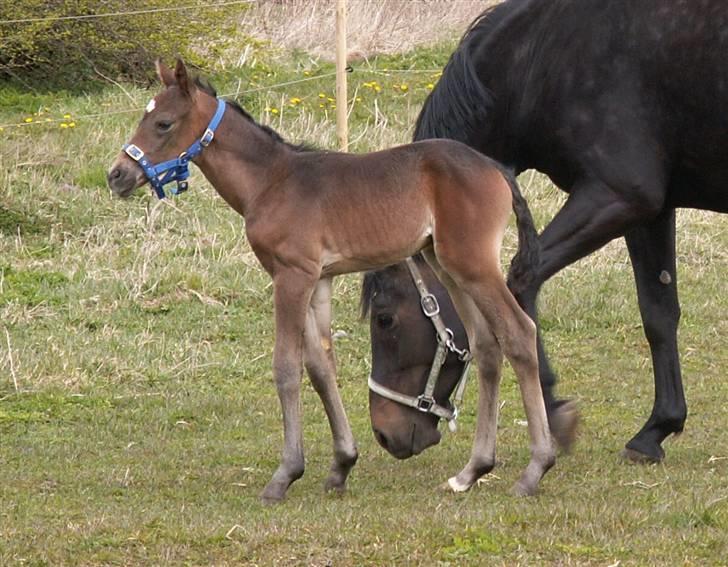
[{"x": 173, "y": 120}]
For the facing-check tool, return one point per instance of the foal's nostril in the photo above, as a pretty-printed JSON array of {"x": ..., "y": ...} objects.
[{"x": 114, "y": 174}]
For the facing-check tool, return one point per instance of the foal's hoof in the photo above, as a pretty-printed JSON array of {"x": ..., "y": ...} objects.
[
  {"x": 640, "y": 458},
  {"x": 454, "y": 485},
  {"x": 521, "y": 489},
  {"x": 334, "y": 487},
  {"x": 564, "y": 425},
  {"x": 273, "y": 493}
]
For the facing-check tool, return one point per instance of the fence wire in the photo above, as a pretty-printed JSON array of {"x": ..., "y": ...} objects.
[
  {"x": 232, "y": 94},
  {"x": 127, "y": 13}
]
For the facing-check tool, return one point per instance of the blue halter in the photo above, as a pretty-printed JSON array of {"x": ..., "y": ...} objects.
[{"x": 175, "y": 169}]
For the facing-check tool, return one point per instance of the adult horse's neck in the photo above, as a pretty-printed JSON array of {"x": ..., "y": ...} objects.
[{"x": 243, "y": 160}]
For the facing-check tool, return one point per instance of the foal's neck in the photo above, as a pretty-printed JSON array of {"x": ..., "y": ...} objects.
[{"x": 243, "y": 161}]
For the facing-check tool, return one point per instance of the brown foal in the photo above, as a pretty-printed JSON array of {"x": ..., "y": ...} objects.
[{"x": 311, "y": 215}]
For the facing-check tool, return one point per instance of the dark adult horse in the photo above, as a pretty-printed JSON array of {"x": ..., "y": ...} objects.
[{"x": 622, "y": 104}]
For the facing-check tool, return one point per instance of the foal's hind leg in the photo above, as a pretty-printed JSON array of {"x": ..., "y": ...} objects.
[
  {"x": 489, "y": 358},
  {"x": 321, "y": 367},
  {"x": 516, "y": 335}
]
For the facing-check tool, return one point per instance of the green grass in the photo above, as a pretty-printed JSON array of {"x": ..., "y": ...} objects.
[{"x": 145, "y": 421}]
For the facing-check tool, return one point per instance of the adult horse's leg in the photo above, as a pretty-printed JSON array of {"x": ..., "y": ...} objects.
[
  {"x": 652, "y": 250},
  {"x": 593, "y": 215},
  {"x": 489, "y": 358},
  {"x": 321, "y": 367},
  {"x": 292, "y": 294}
]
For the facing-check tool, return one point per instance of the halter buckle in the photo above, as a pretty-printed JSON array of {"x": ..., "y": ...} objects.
[
  {"x": 207, "y": 138},
  {"x": 425, "y": 403},
  {"x": 134, "y": 152},
  {"x": 430, "y": 306}
]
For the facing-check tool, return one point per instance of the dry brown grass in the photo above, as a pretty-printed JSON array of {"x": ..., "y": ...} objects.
[{"x": 374, "y": 26}]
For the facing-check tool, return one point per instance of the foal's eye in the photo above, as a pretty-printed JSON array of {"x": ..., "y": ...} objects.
[
  {"x": 385, "y": 320},
  {"x": 163, "y": 126}
]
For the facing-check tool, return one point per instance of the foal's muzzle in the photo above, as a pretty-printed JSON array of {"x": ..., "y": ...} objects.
[{"x": 123, "y": 177}]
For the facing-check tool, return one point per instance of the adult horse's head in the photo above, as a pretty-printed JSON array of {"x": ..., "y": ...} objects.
[
  {"x": 173, "y": 124},
  {"x": 403, "y": 342}
]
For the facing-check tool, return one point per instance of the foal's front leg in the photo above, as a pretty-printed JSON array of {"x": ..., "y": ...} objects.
[
  {"x": 318, "y": 356},
  {"x": 292, "y": 293}
]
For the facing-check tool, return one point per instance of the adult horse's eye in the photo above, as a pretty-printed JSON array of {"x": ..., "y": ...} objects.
[
  {"x": 164, "y": 126},
  {"x": 385, "y": 320}
]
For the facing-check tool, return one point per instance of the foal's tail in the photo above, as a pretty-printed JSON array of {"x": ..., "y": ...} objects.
[{"x": 528, "y": 256}]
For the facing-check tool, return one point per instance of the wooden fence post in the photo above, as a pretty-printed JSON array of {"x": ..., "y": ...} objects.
[{"x": 342, "y": 105}]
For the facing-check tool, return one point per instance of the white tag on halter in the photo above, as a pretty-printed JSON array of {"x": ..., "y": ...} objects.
[
  {"x": 151, "y": 105},
  {"x": 452, "y": 425}
]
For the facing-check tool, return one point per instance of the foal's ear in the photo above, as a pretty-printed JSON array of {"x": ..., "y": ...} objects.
[
  {"x": 164, "y": 73},
  {"x": 183, "y": 81}
]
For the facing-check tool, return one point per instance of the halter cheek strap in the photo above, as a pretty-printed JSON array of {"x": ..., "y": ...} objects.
[
  {"x": 426, "y": 402},
  {"x": 176, "y": 169}
]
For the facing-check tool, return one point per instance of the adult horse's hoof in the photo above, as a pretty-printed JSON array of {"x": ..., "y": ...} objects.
[
  {"x": 638, "y": 457},
  {"x": 564, "y": 424}
]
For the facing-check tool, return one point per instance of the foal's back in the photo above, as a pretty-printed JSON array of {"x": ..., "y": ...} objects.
[{"x": 373, "y": 209}]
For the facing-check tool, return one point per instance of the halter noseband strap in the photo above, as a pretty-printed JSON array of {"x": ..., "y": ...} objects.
[
  {"x": 175, "y": 169},
  {"x": 425, "y": 402}
]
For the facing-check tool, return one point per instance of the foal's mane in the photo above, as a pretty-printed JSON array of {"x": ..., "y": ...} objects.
[
  {"x": 458, "y": 106},
  {"x": 206, "y": 87}
]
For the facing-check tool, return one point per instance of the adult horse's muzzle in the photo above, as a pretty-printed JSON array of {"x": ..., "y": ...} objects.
[{"x": 400, "y": 430}]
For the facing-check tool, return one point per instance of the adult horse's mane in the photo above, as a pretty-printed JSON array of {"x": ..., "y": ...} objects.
[
  {"x": 206, "y": 87},
  {"x": 458, "y": 107}
]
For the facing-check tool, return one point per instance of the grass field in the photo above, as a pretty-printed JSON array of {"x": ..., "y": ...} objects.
[{"x": 139, "y": 421}]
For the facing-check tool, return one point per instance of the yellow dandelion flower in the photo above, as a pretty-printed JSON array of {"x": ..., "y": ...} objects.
[
  {"x": 377, "y": 88},
  {"x": 295, "y": 100},
  {"x": 322, "y": 95},
  {"x": 274, "y": 111},
  {"x": 330, "y": 99},
  {"x": 2, "y": 129},
  {"x": 66, "y": 116},
  {"x": 321, "y": 106},
  {"x": 28, "y": 120},
  {"x": 64, "y": 125},
  {"x": 430, "y": 86},
  {"x": 358, "y": 99},
  {"x": 307, "y": 73},
  {"x": 403, "y": 88},
  {"x": 71, "y": 124}
]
